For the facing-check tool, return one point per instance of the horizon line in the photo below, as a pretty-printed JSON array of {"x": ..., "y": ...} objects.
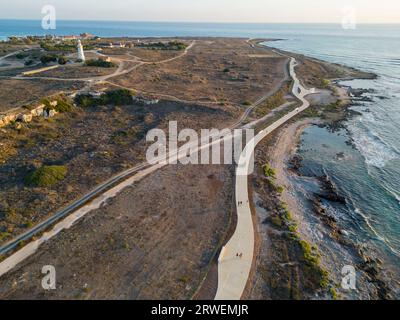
[{"x": 202, "y": 22}]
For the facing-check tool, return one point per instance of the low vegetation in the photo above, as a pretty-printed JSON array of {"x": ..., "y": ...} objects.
[
  {"x": 308, "y": 277},
  {"x": 172, "y": 45},
  {"x": 46, "y": 176},
  {"x": 48, "y": 58},
  {"x": 100, "y": 63},
  {"x": 67, "y": 46},
  {"x": 62, "y": 60},
  {"x": 269, "y": 172},
  {"x": 22, "y": 55},
  {"x": 63, "y": 105},
  {"x": 309, "y": 253},
  {"x": 271, "y": 103}
]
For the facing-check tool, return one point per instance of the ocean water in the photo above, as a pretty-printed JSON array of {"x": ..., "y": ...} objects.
[{"x": 369, "y": 174}]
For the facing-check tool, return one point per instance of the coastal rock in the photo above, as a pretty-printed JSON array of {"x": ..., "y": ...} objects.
[
  {"x": 340, "y": 156},
  {"x": 330, "y": 192},
  {"x": 295, "y": 162},
  {"x": 360, "y": 92},
  {"x": 382, "y": 97}
]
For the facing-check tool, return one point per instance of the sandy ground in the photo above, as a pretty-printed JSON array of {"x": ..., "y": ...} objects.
[
  {"x": 17, "y": 93},
  {"x": 278, "y": 271}
]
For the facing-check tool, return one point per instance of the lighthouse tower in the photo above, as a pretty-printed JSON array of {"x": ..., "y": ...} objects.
[{"x": 81, "y": 54}]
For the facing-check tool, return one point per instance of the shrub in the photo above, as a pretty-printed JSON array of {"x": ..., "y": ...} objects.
[
  {"x": 325, "y": 83},
  {"x": 269, "y": 172},
  {"x": 48, "y": 58},
  {"x": 62, "y": 60},
  {"x": 271, "y": 103},
  {"x": 111, "y": 97},
  {"x": 276, "y": 221},
  {"x": 62, "y": 106},
  {"x": 52, "y": 46},
  {"x": 309, "y": 255},
  {"x": 118, "y": 97},
  {"x": 333, "y": 293},
  {"x": 86, "y": 100},
  {"x": 46, "y": 176},
  {"x": 4, "y": 235},
  {"x": 21, "y": 55},
  {"x": 293, "y": 228},
  {"x": 247, "y": 103},
  {"x": 100, "y": 63},
  {"x": 29, "y": 62},
  {"x": 172, "y": 45}
]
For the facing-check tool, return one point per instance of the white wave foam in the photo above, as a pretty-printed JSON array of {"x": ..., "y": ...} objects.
[
  {"x": 375, "y": 232},
  {"x": 394, "y": 194},
  {"x": 375, "y": 151}
]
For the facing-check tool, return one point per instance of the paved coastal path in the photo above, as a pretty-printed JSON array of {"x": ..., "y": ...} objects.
[{"x": 236, "y": 257}]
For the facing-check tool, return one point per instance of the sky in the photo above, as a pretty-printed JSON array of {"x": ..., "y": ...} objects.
[{"x": 257, "y": 11}]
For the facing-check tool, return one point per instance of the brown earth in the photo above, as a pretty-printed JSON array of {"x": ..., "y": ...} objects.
[
  {"x": 94, "y": 144},
  {"x": 154, "y": 241},
  {"x": 218, "y": 70},
  {"x": 18, "y": 93},
  {"x": 140, "y": 245}
]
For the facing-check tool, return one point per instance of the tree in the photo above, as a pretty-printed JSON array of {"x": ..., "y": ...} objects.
[
  {"x": 48, "y": 58},
  {"x": 62, "y": 60}
]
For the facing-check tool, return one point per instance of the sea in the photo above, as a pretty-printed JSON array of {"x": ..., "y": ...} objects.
[{"x": 365, "y": 171}]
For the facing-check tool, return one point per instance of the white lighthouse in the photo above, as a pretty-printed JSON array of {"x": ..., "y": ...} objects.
[{"x": 81, "y": 54}]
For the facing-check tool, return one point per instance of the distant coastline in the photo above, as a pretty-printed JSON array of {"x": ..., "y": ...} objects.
[{"x": 108, "y": 28}]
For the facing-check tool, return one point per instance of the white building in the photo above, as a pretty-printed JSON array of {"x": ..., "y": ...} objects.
[{"x": 81, "y": 53}]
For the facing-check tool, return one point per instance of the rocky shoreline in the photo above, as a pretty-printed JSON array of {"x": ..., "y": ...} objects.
[{"x": 370, "y": 266}]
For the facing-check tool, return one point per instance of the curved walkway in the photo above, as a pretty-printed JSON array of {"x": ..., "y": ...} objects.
[{"x": 234, "y": 270}]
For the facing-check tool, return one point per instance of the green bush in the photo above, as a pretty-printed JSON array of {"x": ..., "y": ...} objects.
[
  {"x": 86, "y": 100},
  {"x": 48, "y": 58},
  {"x": 280, "y": 189},
  {"x": 269, "y": 172},
  {"x": 271, "y": 103},
  {"x": 63, "y": 106},
  {"x": 21, "y": 55},
  {"x": 276, "y": 221},
  {"x": 325, "y": 83},
  {"x": 310, "y": 256},
  {"x": 52, "y": 46},
  {"x": 111, "y": 97},
  {"x": 118, "y": 97},
  {"x": 100, "y": 63},
  {"x": 62, "y": 60},
  {"x": 172, "y": 45},
  {"x": 46, "y": 176},
  {"x": 333, "y": 293},
  {"x": 4, "y": 235}
]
